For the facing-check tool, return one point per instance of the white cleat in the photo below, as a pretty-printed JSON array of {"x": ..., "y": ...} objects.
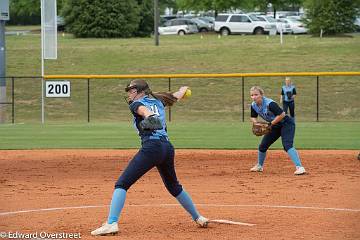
[
  {"x": 106, "y": 229},
  {"x": 300, "y": 171},
  {"x": 202, "y": 222},
  {"x": 256, "y": 168}
]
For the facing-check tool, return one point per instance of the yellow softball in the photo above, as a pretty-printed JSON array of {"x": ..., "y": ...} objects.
[{"x": 187, "y": 93}]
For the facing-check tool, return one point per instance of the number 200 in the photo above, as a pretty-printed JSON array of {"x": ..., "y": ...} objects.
[{"x": 58, "y": 89}]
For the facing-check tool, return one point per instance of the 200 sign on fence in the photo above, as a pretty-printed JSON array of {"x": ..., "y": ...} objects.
[{"x": 58, "y": 88}]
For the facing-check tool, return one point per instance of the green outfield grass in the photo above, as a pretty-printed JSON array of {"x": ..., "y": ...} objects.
[
  {"x": 183, "y": 135},
  {"x": 187, "y": 54}
]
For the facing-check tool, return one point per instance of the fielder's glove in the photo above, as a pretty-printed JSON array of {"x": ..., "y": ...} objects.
[
  {"x": 260, "y": 129},
  {"x": 151, "y": 123}
]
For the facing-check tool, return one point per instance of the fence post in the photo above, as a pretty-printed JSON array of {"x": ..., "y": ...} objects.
[
  {"x": 88, "y": 99},
  {"x": 243, "y": 99},
  {"x": 317, "y": 98},
  {"x": 12, "y": 100},
  {"x": 169, "y": 106}
]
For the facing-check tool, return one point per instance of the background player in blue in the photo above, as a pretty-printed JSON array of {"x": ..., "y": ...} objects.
[
  {"x": 281, "y": 125},
  {"x": 288, "y": 93},
  {"x": 156, "y": 151}
]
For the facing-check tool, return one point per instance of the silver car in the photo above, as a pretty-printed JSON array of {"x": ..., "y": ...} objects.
[
  {"x": 203, "y": 26},
  {"x": 280, "y": 26},
  {"x": 297, "y": 27},
  {"x": 179, "y": 26}
]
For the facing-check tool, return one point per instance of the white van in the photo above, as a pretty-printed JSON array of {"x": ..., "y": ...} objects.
[
  {"x": 180, "y": 26},
  {"x": 227, "y": 24}
]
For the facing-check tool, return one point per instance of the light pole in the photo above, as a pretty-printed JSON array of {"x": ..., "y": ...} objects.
[{"x": 156, "y": 22}]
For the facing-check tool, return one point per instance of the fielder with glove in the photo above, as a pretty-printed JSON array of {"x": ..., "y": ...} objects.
[
  {"x": 260, "y": 128},
  {"x": 277, "y": 125},
  {"x": 148, "y": 109}
]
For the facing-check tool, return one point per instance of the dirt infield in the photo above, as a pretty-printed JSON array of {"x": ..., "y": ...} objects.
[{"x": 69, "y": 191}]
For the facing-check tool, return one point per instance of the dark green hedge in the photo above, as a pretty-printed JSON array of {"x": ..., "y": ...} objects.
[
  {"x": 108, "y": 18},
  {"x": 332, "y": 16}
]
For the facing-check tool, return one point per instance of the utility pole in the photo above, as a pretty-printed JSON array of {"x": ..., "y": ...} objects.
[
  {"x": 4, "y": 15},
  {"x": 156, "y": 22}
]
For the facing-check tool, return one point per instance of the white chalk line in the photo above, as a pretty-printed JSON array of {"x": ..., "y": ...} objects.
[
  {"x": 176, "y": 205},
  {"x": 224, "y": 221}
]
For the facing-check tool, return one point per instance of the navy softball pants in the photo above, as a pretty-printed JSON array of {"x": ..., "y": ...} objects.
[
  {"x": 286, "y": 130},
  {"x": 153, "y": 153},
  {"x": 290, "y": 106}
]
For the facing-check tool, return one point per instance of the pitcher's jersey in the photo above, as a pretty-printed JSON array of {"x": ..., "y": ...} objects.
[
  {"x": 268, "y": 110},
  {"x": 288, "y": 92},
  {"x": 157, "y": 107}
]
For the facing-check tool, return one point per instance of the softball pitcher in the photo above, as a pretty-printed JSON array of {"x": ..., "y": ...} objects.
[
  {"x": 288, "y": 94},
  {"x": 148, "y": 109},
  {"x": 281, "y": 125}
]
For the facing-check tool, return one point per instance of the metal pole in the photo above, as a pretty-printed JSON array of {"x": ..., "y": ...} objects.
[
  {"x": 88, "y": 95},
  {"x": 42, "y": 63},
  {"x": 169, "y": 107},
  {"x": 281, "y": 33},
  {"x": 2, "y": 73},
  {"x": 13, "y": 99},
  {"x": 243, "y": 100},
  {"x": 156, "y": 22},
  {"x": 317, "y": 98}
]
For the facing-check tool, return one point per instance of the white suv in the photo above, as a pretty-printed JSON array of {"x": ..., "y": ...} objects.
[{"x": 227, "y": 24}]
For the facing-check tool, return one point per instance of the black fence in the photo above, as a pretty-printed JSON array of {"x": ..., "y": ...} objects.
[{"x": 320, "y": 98}]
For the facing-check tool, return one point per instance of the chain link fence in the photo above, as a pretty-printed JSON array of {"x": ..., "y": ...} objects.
[{"x": 101, "y": 99}]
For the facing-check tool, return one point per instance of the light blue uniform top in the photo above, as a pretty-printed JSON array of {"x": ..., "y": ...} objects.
[
  {"x": 157, "y": 107},
  {"x": 264, "y": 110}
]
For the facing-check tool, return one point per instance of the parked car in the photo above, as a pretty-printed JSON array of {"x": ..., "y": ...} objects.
[
  {"x": 280, "y": 26},
  {"x": 297, "y": 27},
  {"x": 202, "y": 25},
  {"x": 227, "y": 24},
  {"x": 180, "y": 26}
]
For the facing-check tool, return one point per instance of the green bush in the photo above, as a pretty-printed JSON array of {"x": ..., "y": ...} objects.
[
  {"x": 332, "y": 16},
  {"x": 102, "y": 18},
  {"x": 146, "y": 25},
  {"x": 24, "y": 12},
  {"x": 27, "y": 12}
]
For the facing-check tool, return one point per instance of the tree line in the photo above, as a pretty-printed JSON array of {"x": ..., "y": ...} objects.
[{"x": 134, "y": 18}]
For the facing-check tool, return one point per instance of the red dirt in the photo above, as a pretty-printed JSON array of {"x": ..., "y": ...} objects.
[{"x": 219, "y": 181}]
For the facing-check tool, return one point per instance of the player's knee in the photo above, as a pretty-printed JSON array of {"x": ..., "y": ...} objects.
[
  {"x": 263, "y": 148},
  {"x": 174, "y": 189},
  {"x": 287, "y": 146}
]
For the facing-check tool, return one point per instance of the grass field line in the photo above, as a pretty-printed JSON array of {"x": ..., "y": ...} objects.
[
  {"x": 176, "y": 205},
  {"x": 184, "y": 135}
]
